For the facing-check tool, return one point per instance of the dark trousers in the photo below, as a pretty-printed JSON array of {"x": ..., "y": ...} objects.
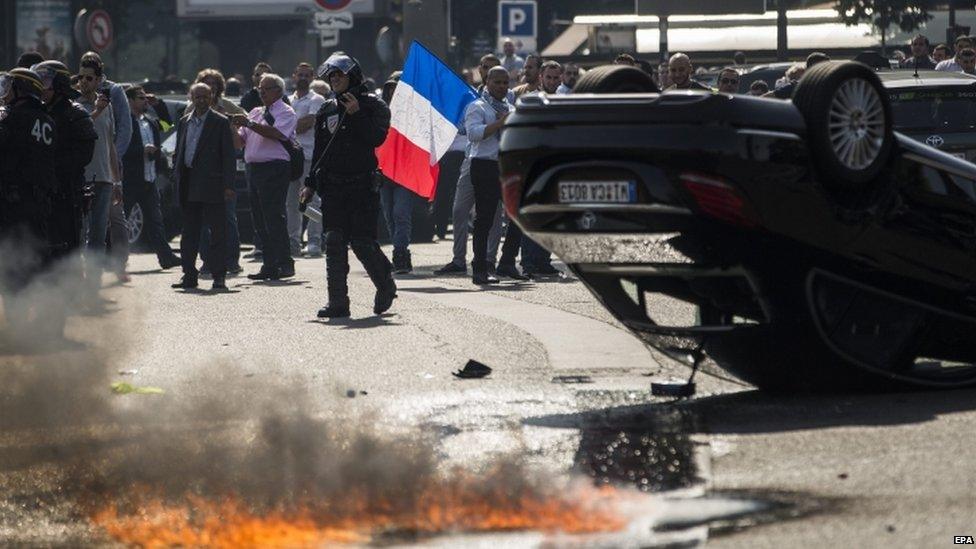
[
  {"x": 487, "y": 193},
  {"x": 257, "y": 220},
  {"x": 446, "y": 187},
  {"x": 513, "y": 241},
  {"x": 233, "y": 257},
  {"x": 65, "y": 226},
  {"x": 146, "y": 195},
  {"x": 270, "y": 182},
  {"x": 350, "y": 211},
  {"x": 195, "y": 215}
]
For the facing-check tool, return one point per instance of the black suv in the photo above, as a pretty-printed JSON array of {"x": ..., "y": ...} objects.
[{"x": 936, "y": 108}]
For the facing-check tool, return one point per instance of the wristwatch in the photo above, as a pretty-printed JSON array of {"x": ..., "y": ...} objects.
[{"x": 249, "y": 123}]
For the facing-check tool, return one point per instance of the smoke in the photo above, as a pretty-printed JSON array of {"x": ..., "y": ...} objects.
[{"x": 69, "y": 447}]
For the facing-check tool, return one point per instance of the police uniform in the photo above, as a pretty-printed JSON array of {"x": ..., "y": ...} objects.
[
  {"x": 74, "y": 151},
  {"x": 28, "y": 139},
  {"x": 346, "y": 179}
]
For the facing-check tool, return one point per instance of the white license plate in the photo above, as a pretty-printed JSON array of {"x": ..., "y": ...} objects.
[
  {"x": 597, "y": 192},
  {"x": 959, "y": 155},
  {"x": 240, "y": 165}
]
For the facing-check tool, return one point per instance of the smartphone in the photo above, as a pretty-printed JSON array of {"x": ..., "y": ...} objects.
[{"x": 106, "y": 95}]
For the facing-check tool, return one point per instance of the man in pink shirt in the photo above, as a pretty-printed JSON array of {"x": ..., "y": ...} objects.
[{"x": 262, "y": 131}]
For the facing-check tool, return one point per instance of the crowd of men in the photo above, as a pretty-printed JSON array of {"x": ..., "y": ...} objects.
[{"x": 78, "y": 152}]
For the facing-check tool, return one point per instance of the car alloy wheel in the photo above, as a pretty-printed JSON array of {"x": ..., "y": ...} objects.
[
  {"x": 856, "y": 124},
  {"x": 135, "y": 221}
]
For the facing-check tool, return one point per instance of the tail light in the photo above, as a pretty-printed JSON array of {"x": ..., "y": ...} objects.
[
  {"x": 719, "y": 199},
  {"x": 511, "y": 192}
]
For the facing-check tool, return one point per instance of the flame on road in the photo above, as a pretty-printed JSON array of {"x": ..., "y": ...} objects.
[{"x": 462, "y": 503}]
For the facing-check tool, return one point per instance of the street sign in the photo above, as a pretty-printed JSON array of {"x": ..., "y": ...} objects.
[
  {"x": 327, "y": 20},
  {"x": 329, "y": 38},
  {"x": 98, "y": 30},
  {"x": 333, "y": 5},
  {"x": 518, "y": 20}
]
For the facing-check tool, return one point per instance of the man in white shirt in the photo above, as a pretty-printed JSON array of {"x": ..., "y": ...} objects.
[
  {"x": 510, "y": 60},
  {"x": 306, "y": 104},
  {"x": 952, "y": 65}
]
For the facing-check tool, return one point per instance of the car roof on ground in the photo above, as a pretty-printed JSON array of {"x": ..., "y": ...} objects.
[{"x": 907, "y": 79}]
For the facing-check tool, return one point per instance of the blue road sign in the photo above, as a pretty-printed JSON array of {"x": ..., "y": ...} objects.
[{"x": 518, "y": 20}]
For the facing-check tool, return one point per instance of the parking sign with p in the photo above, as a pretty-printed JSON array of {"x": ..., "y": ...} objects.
[{"x": 518, "y": 20}]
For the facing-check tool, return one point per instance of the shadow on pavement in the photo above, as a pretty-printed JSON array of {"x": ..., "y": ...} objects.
[
  {"x": 752, "y": 412},
  {"x": 357, "y": 323}
]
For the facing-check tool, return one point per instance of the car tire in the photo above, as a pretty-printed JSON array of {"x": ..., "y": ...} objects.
[
  {"x": 849, "y": 122},
  {"x": 616, "y": 79}
]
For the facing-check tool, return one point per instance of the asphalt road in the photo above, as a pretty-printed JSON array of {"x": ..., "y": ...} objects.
[{"x": 731, "y": 466}]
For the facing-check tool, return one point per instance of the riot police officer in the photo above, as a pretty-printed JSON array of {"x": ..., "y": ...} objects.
[
  {"x": 27, "y": 155},
  {"x": 75, "y": 147},
  {"x": 348, "y": 128}
]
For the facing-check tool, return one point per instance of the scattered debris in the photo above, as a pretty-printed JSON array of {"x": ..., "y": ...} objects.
[
  {"x": 351, "y": 393},
  {"x": 473, "y": 370},
  {"x": 128, "y": 372},
  {"x": 842, "y": 476},
  {"x": 890, "y": 528},
  {"x": 122, "y": 388},
  {"x": 572, "y": 379}
]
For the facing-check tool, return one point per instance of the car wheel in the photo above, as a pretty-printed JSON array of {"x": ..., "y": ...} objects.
[
  {"x": 616, "y": 79},
  {"x": 136, "y": 221},
  {"x": 849, "y": 123}
]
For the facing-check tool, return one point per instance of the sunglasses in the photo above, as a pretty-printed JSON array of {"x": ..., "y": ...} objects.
[{"x": 729, "y": 81}]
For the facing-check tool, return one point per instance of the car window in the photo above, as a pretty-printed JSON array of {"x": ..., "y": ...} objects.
[{"x": 936, "y": 110}]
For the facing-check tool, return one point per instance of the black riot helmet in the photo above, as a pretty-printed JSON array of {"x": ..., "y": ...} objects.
[
  {"x": 55, "y": 76},
  {"x": 23, "y": 82},
  {"x": 340, "y": 61}
]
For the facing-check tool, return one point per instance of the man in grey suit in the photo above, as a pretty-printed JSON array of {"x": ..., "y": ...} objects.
[{"x": 204, "y": 166}]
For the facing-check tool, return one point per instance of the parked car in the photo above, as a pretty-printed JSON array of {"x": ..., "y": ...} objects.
[
  {"x": 810, "y": 245},
  {"x": 936, "y": 108}
]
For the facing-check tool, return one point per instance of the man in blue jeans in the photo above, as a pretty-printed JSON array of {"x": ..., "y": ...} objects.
[{"x": 397, "y": 202}]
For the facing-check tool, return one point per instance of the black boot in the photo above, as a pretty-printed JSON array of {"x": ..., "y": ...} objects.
[
  {"x": 335, "y": 308},
  {"x": 336, "y": 270},
  {"x": 380, "y": 272},
  {"x": 401, "y": 262}
]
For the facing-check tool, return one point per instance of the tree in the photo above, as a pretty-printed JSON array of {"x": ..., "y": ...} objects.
[{"x": 908, "y": 15}]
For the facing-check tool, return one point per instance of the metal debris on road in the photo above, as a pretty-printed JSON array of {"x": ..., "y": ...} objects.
[
  {"x": 122, "y": 388},
  {"x": 128, "y": 372},
  {"x": 473, "y": 370}
]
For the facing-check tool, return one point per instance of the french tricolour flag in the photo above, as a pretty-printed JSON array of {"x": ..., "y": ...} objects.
[{"x": 427, "y": 108}]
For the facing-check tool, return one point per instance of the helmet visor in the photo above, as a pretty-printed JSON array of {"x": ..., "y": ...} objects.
[
  {"x": 47, "y": 75},
  {"x": 6, "y": 82},
  {"x": 336, "y": 62}
]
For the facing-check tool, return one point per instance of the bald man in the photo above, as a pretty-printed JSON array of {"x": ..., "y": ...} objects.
[{"x": 680, "y": 71}]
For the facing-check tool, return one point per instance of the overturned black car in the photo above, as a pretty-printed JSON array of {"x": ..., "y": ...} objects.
[{"x": 807, "y": 244}]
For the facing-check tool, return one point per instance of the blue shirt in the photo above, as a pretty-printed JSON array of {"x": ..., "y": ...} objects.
[
  {"x": 477, "y": 117},
  {"x": 145, "y": 130},
  {"x": 194, "y": 127}
]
